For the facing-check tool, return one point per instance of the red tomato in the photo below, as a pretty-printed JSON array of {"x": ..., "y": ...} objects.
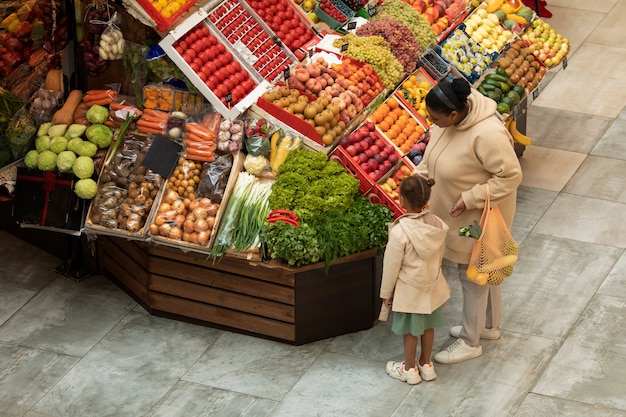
[
  {"x": 206, "y": 71},
  {"x": 229, "y": 83},
  {"x": 195, "y": 67},
  {"x": 188, "y": 58},
  {"x": 183, "y": 44},
  {"x": 245, "y": 74},
  {"x": 236, "y": 65},
  {"x": 191, "y": 37},
  {"x": 205, "y": 31},
  {"x": 212, "y": 39},
  {"x": 191, "y": 53},
  {"x": 213, "y": 79},
  {"x": 198, "y": 62},
  {"x": 225, "y": 59},
  {"x": 220, "y": 48},
  {"x": 210, "y": 66},
  {"x": 202, "y": 75},
  {"x": 179, "y": 50}
]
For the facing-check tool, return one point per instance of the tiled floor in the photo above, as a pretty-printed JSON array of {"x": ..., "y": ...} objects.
[{"x": 88, "y": 350}]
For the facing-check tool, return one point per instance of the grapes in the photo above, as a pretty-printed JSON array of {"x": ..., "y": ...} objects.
[
  {"x": 375, "y": 51},
  {"x": 399, "y": 39},
  {"x": 411, "y": 18}
]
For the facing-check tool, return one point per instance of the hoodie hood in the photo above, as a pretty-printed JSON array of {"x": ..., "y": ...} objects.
[
  {"x": 425, "y": 238},
  {"x": 481, "y": 108}
]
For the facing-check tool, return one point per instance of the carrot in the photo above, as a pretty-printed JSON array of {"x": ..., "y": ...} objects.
[
  {"x": 196, "y": 138},
  {"x": 150, "y": 123},
  {"x": 207, "y": 156},
  {"x": 145, "y": 129},
  {"x": 155, "y": 113},
  {"x": 101, "y": 93},
  {"x": 199, "y": 145},
  {"x": 112, "y": 123},
  {"x": 101, "y": 102},
  {"x": 195, "y": 129},
  {"x": 149, "y": 118}
]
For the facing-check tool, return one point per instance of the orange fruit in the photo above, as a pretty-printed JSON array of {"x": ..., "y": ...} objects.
[
  {"x": 384, "y": 125},
  {"x": 392, "y": 103}
]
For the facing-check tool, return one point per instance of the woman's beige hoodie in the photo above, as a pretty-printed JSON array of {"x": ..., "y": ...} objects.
[
  {"x": 412, "y": 264},
  {"x": 462, "y": 159}
]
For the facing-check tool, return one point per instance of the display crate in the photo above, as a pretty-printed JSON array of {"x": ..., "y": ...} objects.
[
  {"x": 204, "y": 84},
  {"x": 113, "y": 202},
  {"x": 162, "y": 22},
  {"x": 434, "y": 65},
  {"x": 469, "y": 57},
  {"x": 237, "y": 166},
  {"x": 340, "y": 155},
  {"x": 422, "y": 76},
  {"x": 331, "y": 21}
]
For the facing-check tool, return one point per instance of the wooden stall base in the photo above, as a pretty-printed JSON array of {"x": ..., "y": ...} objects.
[{"x": 270, "y": 300}]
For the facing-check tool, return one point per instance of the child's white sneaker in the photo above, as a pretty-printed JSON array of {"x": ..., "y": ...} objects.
[
  {"x": 396, "y": 370},
  {"x": 427, "y": 371}
]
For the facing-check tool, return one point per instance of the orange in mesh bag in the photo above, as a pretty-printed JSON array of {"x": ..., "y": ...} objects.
[{"x": 495, "y": 252}]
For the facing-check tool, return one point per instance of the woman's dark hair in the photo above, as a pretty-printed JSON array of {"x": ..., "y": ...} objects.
[
  {"x": 416, "y": 190},
  {"x": 448, "y": 95}
]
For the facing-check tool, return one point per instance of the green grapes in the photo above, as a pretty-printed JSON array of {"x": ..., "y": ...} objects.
[
  {"x": 375, "y": 51},
  {"x": 411, "y": 18}
]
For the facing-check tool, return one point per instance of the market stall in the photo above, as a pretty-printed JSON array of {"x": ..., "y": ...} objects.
[{"x": 236, "y": 163}]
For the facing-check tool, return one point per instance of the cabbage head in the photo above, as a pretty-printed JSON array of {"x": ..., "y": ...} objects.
[
  {"x": 86, "y": 149},
  {"x": 58, "y": 144},
  {"x": 47, "y": 160},
  {"x": 83, "y": 167},
  {"x": 86, "y": 188},
  {"x": 42, "y": 143},
  {"x": 65, "y": 160},
  {"x": 99, "y": 134},
  {"x": 97, "y": 114},
  {"x": 74, "y": 144},
  {"x": 30, "y": 159}
]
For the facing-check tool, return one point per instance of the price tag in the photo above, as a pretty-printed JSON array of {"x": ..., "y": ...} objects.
[
  {"x": 564, "y": 63},
  {"x": 311, "y": 52},
  {"x": 517, "y": 112},
  {"x": 276, "y": 40},
  {"x": 535, "y": 93},
  {"x": 351, "y": 25},
  {"x": 371, "y": 10},
  {"x": 344, "y": 47},
  {"x": 286, "y": 73},
  {"x": 229, "y": 98}
]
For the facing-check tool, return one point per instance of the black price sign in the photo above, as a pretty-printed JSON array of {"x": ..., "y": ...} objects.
[
  {"x": 535, "y": 93},
  {"x": 276, "y": 40},
  {"x": 344, "y": 47},
  {"x": 229, "y": 98},
  {"x": 351, "y": 25},
  {"x": 564, "y": 63},
  {"x": 311, "y": 52},
  {"x": 371, "y": 10},
  {"x": 286, "y": 73}
]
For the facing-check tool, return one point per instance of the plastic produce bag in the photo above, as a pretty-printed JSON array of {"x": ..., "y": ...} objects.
[
  {"x": 20, "y": 132},
  {"x": 215, "y": 178},
  {"x": 112, "y": 43}
]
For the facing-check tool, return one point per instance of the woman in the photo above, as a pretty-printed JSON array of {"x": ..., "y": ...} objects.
[{"x": 469, "y": 147}]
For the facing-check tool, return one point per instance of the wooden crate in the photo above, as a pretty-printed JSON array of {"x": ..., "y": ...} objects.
[{"x": 270, "y": 300}]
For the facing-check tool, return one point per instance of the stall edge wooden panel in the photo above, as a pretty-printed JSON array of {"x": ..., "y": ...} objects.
[{"x": 270, "y": 300}]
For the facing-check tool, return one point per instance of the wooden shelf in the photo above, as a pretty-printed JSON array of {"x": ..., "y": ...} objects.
[{"x": 265, "y": 299}]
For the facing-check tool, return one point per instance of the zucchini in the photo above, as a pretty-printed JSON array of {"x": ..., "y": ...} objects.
[{"x": 497, "y": 77}]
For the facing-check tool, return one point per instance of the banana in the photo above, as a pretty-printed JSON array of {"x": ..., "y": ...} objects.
[{"x": 518, "y": 136}]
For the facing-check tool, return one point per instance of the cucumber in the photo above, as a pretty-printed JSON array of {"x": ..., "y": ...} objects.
[
  {"x": 519, "y": 90},
  {"x": 494, "y": 95},
  {"x": 491, "y": 81},
  {"x": 497, "y": 77},
  {"x": 501, "y": 71},
  {"x": 489, "y": 86}
]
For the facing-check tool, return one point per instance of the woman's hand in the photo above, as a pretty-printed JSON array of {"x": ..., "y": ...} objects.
[
  {"x": 388, "y": 302},
  {"x": 457, "y": 208}
]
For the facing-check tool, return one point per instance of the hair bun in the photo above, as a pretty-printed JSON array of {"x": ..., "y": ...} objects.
[{"x": 430, "y": 182}]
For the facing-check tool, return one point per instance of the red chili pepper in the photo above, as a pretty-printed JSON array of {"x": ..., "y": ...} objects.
[
  {"x": 284, "y": 219},
  {"x": 283, "y": 212}
]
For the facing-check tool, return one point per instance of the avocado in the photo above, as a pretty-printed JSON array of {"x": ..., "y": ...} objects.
[
  {"x": 501, "y": 15},
  {"x": 503, "y": 108},
  {"x": 513, "y": 94},
  {"x": 510, "y": 101},
  {"x": 519, "y": 90},
  {"x": 494, "y": 95},
  {"x": 508, "y": 23}
]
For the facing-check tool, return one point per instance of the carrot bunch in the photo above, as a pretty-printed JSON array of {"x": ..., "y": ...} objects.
[
  {"x": 103, "y": 97},
  {"x": 200, "y": 142},
  {"x": 153, "y": 121}
]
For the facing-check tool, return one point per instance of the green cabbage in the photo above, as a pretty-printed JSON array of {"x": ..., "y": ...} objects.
[
  {"x": 30, "y": 159},
  {"x": 74, "y": 144},
  {"x": 47, "y": 161},
  {"x": 85, "y": 188},
  {"x": 99, "y": 134},
  {"x": 83, "y": 167},
  {"x": 97, "y": 114},
  {"x": 58, "y": 144},
  {"x": 42, "y": 143},
  {"x": 65, "y": 160},
  {"x": 86, "y": 149}
]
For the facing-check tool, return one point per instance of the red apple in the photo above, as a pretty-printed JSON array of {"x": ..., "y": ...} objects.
[{"x": 351, "y": 150}]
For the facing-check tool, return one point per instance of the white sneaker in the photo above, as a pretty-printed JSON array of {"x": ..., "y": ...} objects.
[
  {"x": 459, "y": 351},
  {"x": 396, "y": 370},
  {"x": 427, "y": 371},
  {"x": 488, "y": 334}
]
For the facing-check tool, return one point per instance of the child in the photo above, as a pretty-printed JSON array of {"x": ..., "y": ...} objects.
[{"x": 413, "y": 285}]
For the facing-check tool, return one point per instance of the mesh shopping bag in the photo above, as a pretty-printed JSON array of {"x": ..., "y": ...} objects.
[{"x": 495, "y": 252}]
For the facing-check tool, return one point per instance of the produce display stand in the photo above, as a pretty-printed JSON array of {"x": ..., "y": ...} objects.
[{"x": 265, "y": 299}]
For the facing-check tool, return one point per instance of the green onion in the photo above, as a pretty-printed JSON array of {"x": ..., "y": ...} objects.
[{"x": 244, "y": 216}]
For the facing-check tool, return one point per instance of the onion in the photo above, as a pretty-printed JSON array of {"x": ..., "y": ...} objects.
[
  {"x": 178, "y": 206},
  {"x": 205, "y": 202},
  {"x": 200, "y": 225},
  {"x": 210, "y": 221},
  {"x": 175, "y": 233},
  {"x": 164, "y": 229},
  {"x": 203, "y": 237},
  {"x": 165, "y": 207},
  {"x": 186, "y": 237},
  {"x": 200, "y": 213},
  {"x": 188, "y": 226},
  {"x": 179, "y": 220},
  {"x": 154, "y": 229},
  {"x": 212, "y": 209}
]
